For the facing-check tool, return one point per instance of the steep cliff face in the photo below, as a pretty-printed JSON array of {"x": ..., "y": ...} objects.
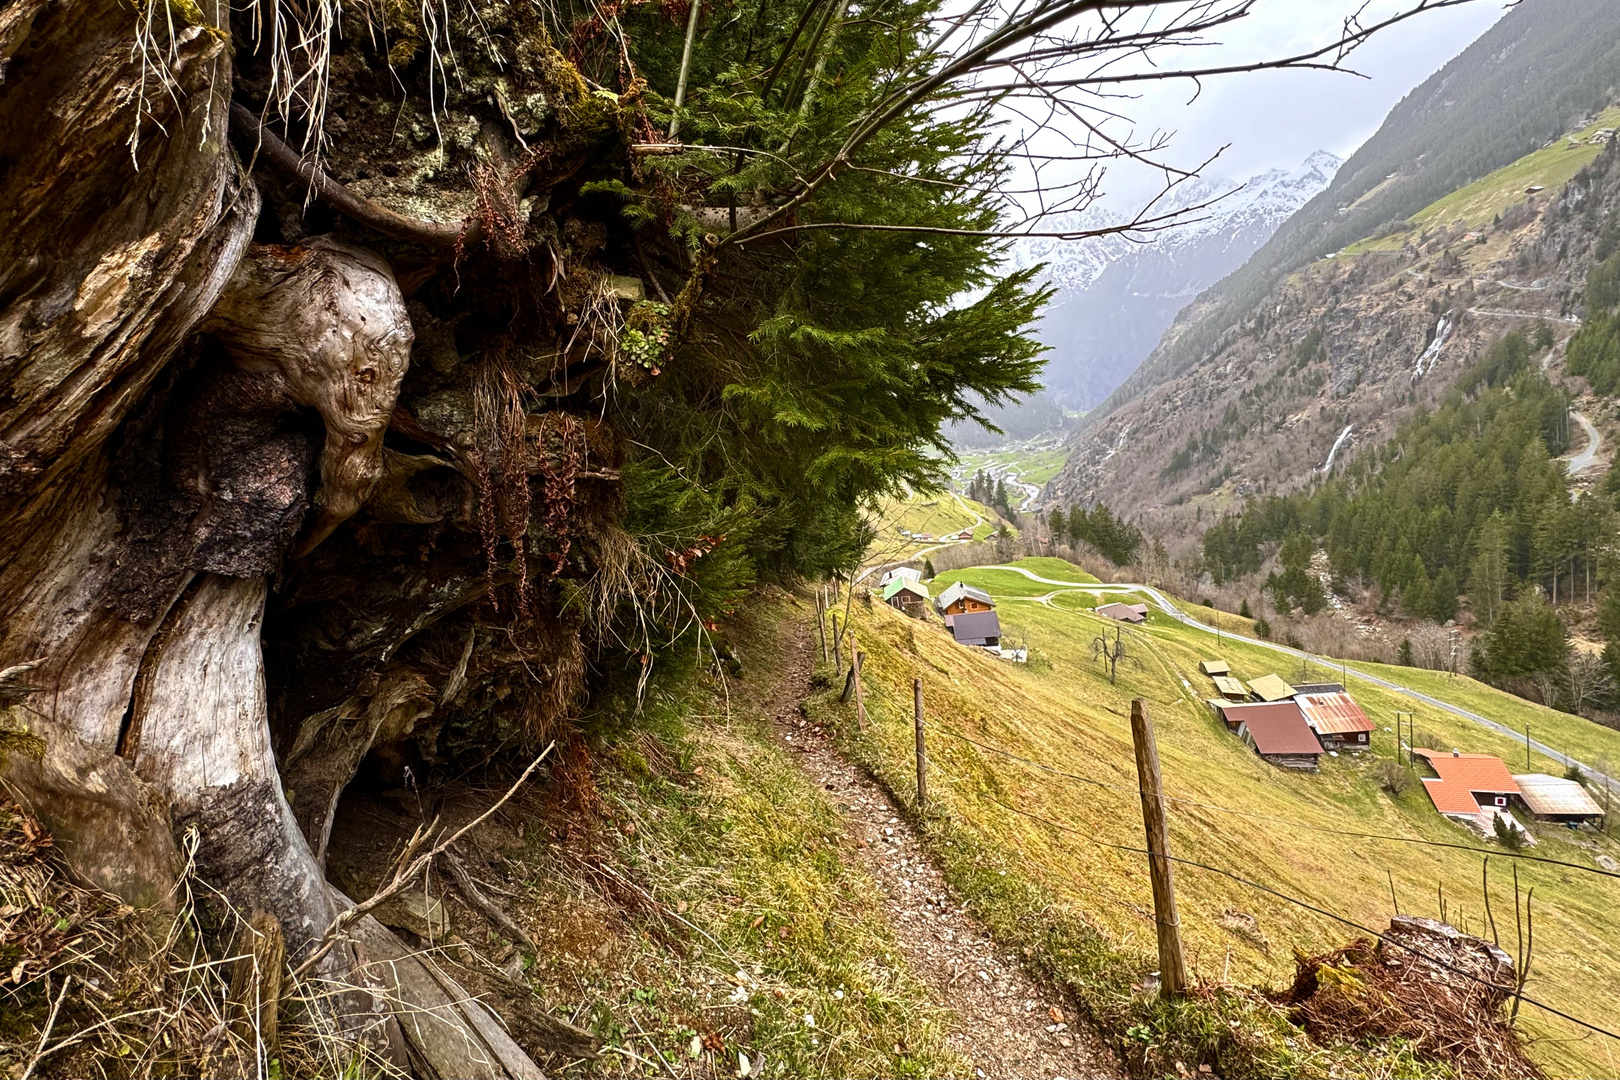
[{"x": 1333, "y": 359}]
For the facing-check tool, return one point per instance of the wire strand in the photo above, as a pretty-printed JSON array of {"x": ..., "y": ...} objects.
[
  {"x": 1307, "y": 905},
  {"x": 1182, "y": 801}
]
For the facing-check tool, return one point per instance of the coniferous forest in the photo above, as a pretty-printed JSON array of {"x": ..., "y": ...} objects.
[{"x": 1465, "y": 507}]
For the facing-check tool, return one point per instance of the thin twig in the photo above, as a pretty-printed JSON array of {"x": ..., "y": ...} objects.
[
  {"x": 650, "y": 1041},
  {"x": 402, "y": 878},
  {"x": 490, "y": 910},
  {"x": 44, "y": 1036}
]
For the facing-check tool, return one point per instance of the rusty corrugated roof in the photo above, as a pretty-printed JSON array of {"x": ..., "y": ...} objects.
[{"x": 1333, "y": 714}]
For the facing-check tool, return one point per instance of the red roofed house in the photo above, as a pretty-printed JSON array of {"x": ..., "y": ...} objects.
[
  {"x": 1337, "y": 720},
  {"x": 1473, "y": 787},
  {"x": 1278, "y": 733}
]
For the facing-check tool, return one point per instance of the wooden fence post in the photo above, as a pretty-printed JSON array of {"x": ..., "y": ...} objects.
[
  {"x": 821, "y": 621},
  {"x": 1172, "y": 969},
  {"x": 838, "y": 657},
  {"x": 857, "y": 661},
  {"x": 922, "y": 756}
]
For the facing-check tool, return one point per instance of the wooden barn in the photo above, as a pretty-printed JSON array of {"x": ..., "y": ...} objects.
[
  {"x": 960, "y": 599},
  {"x": 1555, "y": 798},
  {"x": 1470, "y": 787},
  {"x": 1337, "y": 720},
  {"x": 1278, "y": 733},
  {"x": 1271, "y": 688},
  {"x": 976, "y": 628},
  {"x": 1131, "y": 613},
  {"x": 908, "y": 596}
]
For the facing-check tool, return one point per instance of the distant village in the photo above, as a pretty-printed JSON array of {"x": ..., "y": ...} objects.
[
  {"x": 969, "y": 613},
  {"x": 1293, "y": 726}
]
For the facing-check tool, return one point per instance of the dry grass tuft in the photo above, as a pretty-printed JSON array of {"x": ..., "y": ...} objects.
[{"x": 87, "y": 989}]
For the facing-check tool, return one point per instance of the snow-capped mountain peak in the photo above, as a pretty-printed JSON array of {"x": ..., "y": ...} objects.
[
  {"x": 1118, "y": 293},
  {"x": 1226, "y": 206}
]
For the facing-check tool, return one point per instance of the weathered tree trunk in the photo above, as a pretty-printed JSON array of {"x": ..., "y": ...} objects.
[
  {"x": 152, "y": 704},
  {"x": 109, "y": 257},
  {"x": 190, "y": 419},
  {"x": 198, "y": 733}
]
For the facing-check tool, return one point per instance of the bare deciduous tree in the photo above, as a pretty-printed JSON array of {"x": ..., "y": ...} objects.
[{"x": 1113, "y": 653}]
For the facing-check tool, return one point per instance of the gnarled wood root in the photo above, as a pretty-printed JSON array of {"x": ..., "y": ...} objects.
[{"x": 327, "y": 321}]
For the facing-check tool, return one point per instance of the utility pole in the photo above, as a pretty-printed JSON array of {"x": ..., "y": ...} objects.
[{"x": 1172, "y": 968}]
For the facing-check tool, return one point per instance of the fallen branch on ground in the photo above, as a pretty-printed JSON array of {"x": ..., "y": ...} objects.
[{"x": 407, "y": 869}]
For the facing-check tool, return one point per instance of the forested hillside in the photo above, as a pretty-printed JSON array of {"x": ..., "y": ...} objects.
[
  {"x": 1464, "y": 508},
  {"x": 1346, "y": 349}
]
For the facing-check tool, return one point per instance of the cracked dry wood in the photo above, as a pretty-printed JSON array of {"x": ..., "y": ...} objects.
[{"x": 1006, "y": 1027}]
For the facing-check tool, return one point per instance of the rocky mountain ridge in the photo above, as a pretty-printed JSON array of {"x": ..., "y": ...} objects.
[
  {"x": 1542, "y": 66},
  {"x": 1117, "y": 295}
]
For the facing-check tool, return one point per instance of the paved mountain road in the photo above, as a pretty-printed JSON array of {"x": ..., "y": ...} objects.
[{"x": 1587, "y": 458}]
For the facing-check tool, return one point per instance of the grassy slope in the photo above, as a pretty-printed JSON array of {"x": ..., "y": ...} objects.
[
  {"x": 1579, "y": 738},
  {"x": 938, "y": 514},
  {"x": 1061, "y": 710},
  {"x": 1480, "y": 202},
  {"x": 712, "y": 818},
  {"x": 1007, "y": 583}
]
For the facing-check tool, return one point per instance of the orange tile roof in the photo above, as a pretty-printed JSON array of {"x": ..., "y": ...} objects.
[
  {"x": 1333, "y": 714},
  {"x": 1460, "y": 776}
]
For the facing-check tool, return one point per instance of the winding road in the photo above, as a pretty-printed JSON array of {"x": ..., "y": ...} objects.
[
  {"x": 978, "y": 519},
  {"x": 1174, "y": 612},
  {"x": 1587, "y": 458}
]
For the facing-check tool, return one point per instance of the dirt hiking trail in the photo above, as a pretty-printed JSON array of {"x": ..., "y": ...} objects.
[{"x": 1007, "y": 1026}]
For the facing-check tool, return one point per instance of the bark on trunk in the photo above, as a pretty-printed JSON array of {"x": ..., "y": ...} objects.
[
  {"x": 153, "y": 479},
  {"x": 109, "y": 258},
  {"x": 198, "y": 734}
]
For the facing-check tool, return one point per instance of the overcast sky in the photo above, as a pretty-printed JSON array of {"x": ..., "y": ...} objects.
[{"x": 1277, "y": 118}]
